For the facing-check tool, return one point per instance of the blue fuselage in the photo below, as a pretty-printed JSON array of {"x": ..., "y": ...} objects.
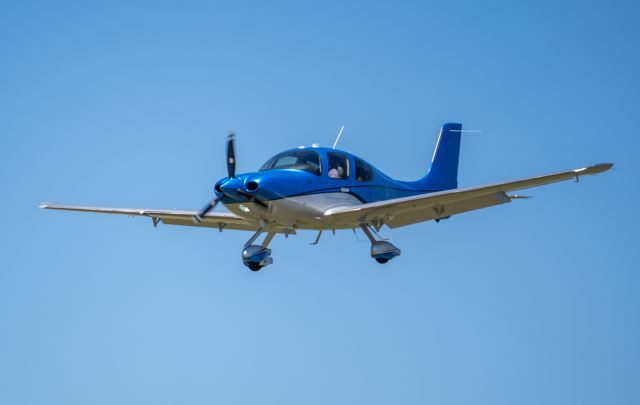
[{"x": 277, "y": 183}]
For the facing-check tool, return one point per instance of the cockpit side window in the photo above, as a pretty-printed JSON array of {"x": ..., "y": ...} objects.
[
  {"x": 364, "y": 172},
  {"x": 338, "y": 166},
  {"x": 307, "y": 160}
]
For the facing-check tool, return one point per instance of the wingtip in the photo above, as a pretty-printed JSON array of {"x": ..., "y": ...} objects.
[
  {"x": 600, "y": 167},
  {"x": 595, "y": 169},
  {"x": 43, "y": 205}
]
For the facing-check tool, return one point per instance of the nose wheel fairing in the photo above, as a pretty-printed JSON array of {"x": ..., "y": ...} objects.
[{"x": 256, "y": 257}]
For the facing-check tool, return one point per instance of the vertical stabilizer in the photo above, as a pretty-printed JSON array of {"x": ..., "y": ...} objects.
[{"x": 443, "y": 172}]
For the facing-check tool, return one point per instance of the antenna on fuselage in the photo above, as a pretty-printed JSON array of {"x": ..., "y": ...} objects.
[{"x": 338, "y": 138}]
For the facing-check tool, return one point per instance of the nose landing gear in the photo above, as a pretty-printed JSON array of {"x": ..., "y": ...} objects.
[
  {"x": 255, "y": 257},
  {"x": 381, "y": 250}
]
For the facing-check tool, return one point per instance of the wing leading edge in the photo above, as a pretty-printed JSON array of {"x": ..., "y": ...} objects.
[
  {"x": 169, "y": 217},
  {"x": 410, "y": 210}
]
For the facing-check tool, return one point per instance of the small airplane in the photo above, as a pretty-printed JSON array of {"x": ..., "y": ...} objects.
[{"x": 325, "y": 189}]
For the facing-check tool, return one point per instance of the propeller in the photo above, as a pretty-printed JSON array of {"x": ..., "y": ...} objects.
[
  {"x": 211, "y": 205},
  {"x": 231, "y": 171},
  {"x": 231, "y": 155}
]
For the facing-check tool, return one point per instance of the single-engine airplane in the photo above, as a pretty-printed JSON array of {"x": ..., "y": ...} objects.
[{"x": 325, "y": 189}]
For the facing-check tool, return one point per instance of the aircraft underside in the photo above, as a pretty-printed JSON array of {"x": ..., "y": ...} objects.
[
  {"x": 304, "y": 212},
  {"x": 299, "y": 212}
]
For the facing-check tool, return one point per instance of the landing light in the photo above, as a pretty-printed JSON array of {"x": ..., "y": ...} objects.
[{"x": 244, "y": 208}]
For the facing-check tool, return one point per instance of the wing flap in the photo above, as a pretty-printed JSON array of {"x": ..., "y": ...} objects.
[
  {"x": 438, "y": 212},
  {"x": 208, "y": 222}
]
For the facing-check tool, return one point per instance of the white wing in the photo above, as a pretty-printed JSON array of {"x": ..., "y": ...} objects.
[
  {"x": 410, "y": 210},
  {"x": 170, "y": 217}
]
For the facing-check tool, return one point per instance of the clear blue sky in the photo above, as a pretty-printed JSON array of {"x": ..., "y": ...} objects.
[{"x": 128, "y": 104}]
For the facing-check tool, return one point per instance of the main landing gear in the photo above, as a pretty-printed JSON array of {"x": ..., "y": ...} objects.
[
  {"x": 381, "y": 250},
  {"x": 255, "y": 257}
]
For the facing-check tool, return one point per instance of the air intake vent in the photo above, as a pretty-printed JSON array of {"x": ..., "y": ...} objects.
[{"x": 252, "y": 186}]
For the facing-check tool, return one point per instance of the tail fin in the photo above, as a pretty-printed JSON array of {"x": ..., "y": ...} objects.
[{"x": 443, "y": 172}]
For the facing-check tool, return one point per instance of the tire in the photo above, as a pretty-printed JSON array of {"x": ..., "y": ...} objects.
[
  {"x": 381, "y": 260},
  {"x": 254, "y": 266}
]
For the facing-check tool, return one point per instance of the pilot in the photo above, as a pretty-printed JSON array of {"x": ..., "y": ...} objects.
[{"x": 336, "y": 172}]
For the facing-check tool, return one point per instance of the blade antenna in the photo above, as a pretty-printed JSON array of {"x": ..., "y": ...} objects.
[{"x": 338, "y": 138}]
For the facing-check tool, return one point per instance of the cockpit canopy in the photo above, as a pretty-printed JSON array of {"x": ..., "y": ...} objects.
[{"x": 300, "y": 159}]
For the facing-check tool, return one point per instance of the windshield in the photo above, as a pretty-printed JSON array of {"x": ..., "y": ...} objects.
[{"x": 307, "y": 160}]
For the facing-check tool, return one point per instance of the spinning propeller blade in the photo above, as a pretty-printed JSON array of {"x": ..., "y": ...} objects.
[
  {"x": 231, "y": 155},
  {"x": 231, "y": 171},
  {"x": 198, "y": 218}
]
